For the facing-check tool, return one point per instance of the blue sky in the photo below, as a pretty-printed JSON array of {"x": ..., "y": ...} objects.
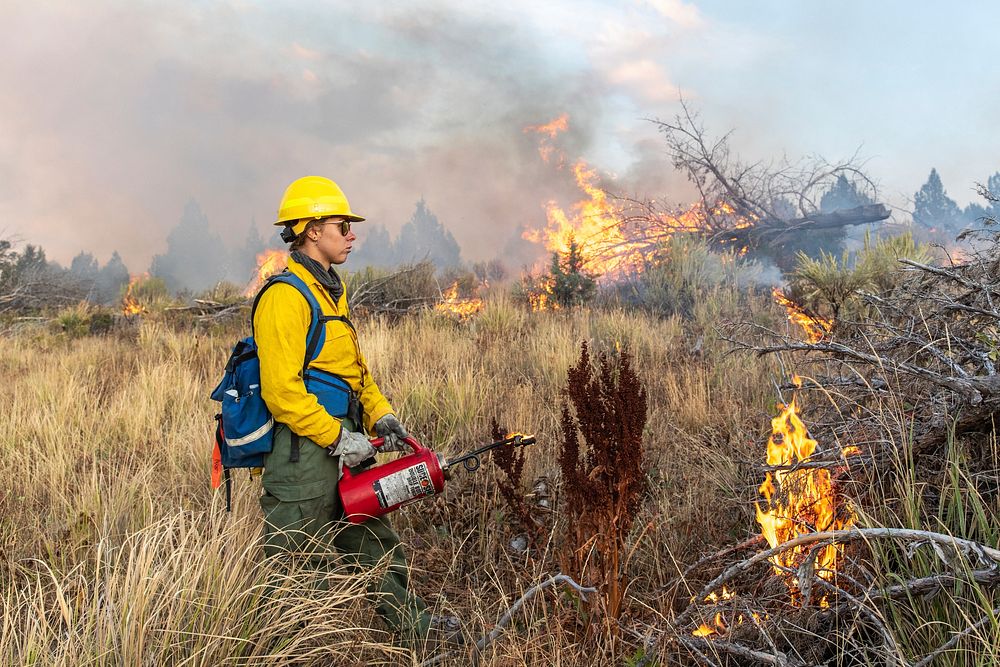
[{"x": 114, "y": 113}]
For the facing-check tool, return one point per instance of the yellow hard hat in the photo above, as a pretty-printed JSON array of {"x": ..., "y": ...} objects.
[{"x": 312, "y": 197}]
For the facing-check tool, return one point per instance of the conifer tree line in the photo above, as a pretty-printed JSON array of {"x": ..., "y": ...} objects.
[{"x": 197, "y": 257}]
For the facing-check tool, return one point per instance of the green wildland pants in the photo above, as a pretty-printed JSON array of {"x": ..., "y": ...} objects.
[{"x": 303, "y": 514}]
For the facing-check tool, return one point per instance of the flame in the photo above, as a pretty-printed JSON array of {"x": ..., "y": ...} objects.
[
  {"x": 815, "y": 327},
  {"x": 549, "y": 131},
  {"x": 595, "y": 223},
  {"x": 703, "y": 631},
  {"x": 592, "y": 224},
  {"x": 721, "y": 627},
  {"x": 453, "y": 305},
  {"x": 269, "y": 263},
  {"x": 798, "y": 501},
  {"x": 542, "y": 300},
  {"x": 958, "y": 255},
  {"x": 130, "y": 305},
  {"x": 552, "y": 128},
  {"x": 724, "y": 594}
]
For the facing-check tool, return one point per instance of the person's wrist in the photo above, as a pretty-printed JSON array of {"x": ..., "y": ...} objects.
[{"x": 332, "y": 447}]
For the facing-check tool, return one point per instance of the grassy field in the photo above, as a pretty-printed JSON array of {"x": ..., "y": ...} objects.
[{"x": 117, "y": 551}]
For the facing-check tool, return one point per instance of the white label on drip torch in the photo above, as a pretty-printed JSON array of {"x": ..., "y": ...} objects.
[{"x": 404, "y": 485}]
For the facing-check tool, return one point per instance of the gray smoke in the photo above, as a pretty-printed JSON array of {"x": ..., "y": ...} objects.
[{"x": 118, "y": 113}]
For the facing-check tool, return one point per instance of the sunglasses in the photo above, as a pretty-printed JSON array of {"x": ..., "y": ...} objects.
[{"x": 345, "y": 225}]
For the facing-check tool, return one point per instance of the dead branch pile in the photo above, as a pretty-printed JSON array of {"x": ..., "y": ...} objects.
[
  {"x": 408, "y": 289},
  {"x": 912, "y": 374},
  {"x": 933, "y": 339}
]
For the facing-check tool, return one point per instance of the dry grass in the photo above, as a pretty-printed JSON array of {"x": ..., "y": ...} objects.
[{"x": 116, "y": 550}]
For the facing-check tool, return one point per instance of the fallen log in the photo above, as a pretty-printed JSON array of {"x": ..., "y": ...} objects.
[{"x": 775, "y": 231}]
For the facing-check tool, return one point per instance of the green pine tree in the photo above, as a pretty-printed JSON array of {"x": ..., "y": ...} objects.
[{"x": 572, "y": 285}]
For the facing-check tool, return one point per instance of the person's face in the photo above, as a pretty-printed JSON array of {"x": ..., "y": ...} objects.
[{"x": 331, "y": 243}]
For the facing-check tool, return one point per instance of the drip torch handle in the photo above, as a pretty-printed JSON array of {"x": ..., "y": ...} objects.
[
  {"x": 471, "y": 460},
  {"x": 410, "y": 440}
]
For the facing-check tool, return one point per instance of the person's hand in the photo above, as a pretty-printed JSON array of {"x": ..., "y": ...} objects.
[
  {"x": 388, "y": 427},
  {"x": 352, "y": 449}
]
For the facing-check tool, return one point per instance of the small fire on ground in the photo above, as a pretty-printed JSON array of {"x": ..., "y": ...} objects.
[
  {"x": 130, "y": 305},
  {"x": 814, "y": 326},
  {"x": 797, "y": 501},
  {"x": 269, "y": 263},
  {"x": 452, "y": 304}
]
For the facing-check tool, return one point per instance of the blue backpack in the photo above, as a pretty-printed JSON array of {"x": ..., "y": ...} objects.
[{"x": 244, "y": 433}]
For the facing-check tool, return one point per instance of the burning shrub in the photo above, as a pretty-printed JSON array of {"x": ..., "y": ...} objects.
[
  {"x": 567, "y": 284},
  {"x": 602, "y": 489},
  {"x": 571, "y": 284}
]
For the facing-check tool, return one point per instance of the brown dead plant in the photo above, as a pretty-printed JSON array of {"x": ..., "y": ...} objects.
[{"x": 602, "y": 486}]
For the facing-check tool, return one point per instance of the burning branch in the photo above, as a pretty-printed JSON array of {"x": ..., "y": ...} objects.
[{"x": 741, "y": 207}]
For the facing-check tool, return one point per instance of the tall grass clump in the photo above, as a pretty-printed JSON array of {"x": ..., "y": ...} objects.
[{"x": 951, "y": 616}]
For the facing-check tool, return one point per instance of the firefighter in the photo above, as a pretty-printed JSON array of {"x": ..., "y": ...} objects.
[{"x": 301, "y": 505}]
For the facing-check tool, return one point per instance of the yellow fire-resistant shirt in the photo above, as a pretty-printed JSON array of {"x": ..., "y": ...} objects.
[{"x": 281, "y": 325}]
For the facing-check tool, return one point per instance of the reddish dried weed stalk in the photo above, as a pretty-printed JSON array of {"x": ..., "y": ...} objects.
[
  {"x": 511, "y": 461},
  {"x": 602, "y": 487}
]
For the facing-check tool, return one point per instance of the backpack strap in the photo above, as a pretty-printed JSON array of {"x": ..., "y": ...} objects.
[
  {"x": 316, "y": 317},
  {"x": 317, "y": 332}
]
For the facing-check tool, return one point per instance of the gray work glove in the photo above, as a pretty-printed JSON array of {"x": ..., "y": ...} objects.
[
  {"x": 352, "y": 449},
  {"x": 388, "y": 427}
]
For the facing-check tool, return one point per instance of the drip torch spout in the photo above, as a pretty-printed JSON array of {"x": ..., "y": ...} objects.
[{"x": 471, "y": 461}]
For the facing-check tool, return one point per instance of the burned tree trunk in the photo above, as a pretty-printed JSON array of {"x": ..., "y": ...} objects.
[{"x": 769, "y": 231}]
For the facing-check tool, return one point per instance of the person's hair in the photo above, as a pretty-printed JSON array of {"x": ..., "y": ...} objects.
[{"x": 300, "y": 240}]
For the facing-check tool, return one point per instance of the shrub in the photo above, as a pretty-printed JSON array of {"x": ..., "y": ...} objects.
[
  {"x": 571, "y": 284},
  {"x": 375, "y": 290},
  {"x": 832, "y": 287},
  {"x": 74, "y": 321},
  {"x": 682, "y": 273},
  {"x": 101, "y": 322}
]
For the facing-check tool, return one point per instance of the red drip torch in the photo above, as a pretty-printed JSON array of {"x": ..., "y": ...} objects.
[{"x": 422, "y": 473}]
